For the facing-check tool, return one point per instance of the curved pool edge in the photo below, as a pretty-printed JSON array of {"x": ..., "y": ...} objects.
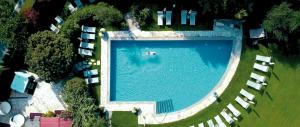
[{"x": 148, "y": 109}]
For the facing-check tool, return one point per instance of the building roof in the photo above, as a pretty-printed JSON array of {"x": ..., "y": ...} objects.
[
  {"x": 20, "y": 81},
  {"x": 55, "y": 122}
]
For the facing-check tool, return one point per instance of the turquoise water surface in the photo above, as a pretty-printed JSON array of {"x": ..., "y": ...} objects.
[{"x": 179, "y": 74}]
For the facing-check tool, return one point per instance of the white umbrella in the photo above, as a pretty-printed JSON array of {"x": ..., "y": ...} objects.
[
  {"x": 5, "y": 108},
  {"x": 17, "y": 121}
]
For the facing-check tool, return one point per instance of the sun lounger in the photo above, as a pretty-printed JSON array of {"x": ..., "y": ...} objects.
[
  {"x": 92, "y": 80},
  {"x": 261, "y": 67},
  {"x": 193, "y": 18},
  {"x": 59, "y": 20},
  {"x": 254, "y": 85},
  {"x": 183, "y": 17},
  {"x": 85, "y": 52},
  {"x": 219, "y": 121},
  {"x": 257, "y": 33},
  {"x": 234, "y": 111},
  {"x": 88, "y": 29},
  {"x": 78, "y": 4},
  {"x": 227, "y": 117},
  {"x": 160, "y": 18},
  {"x": 263, "y": 58},
  {"x": 18, "y": 6},
  {"x": 89, "y": 73},
  {"x": 210, "y": 123},
  {"x": 168, "y": 17},
  {"x": 86, "y": 45},
  {"x": 54, "y": 28},
  {"x": 258, "y": 77},
  {"x": 200, "y": 125},
  {"x": 242, "y": 102},
  {"x": 192, "y": 126},
  {"x": 88, "y": 36},
  {"x": 246, "y": 94},
  {"x": 72, "y": 8}
]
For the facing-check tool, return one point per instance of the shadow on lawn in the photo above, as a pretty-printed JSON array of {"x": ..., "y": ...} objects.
[{"x": 6, "y": 77}]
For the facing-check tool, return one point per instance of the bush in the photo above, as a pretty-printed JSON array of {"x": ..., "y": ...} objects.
[
  {"x": 101, "y": 14},
  {"x": 49, "y": 114},
  {"x": 49, "y": 55},
  {"x": 81, "y": 106},
  {"x": 143, "y": 15}
]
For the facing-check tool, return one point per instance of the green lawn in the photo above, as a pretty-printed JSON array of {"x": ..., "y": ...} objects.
[
  {"x": 95, "y": 89},
  {"x": 124, "y": 119},
  {"x": 277, "y": 105}
]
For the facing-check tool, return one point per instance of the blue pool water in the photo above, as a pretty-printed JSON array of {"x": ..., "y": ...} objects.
[{"x": 180, "y": 74}]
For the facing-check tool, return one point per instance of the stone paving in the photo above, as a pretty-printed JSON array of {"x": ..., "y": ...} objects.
[{"x": 45, "y": 98}]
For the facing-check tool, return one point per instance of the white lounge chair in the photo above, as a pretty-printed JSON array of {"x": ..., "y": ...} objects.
[
  {"x": 87, "y": 45},
  {"x": 246, "y": 94},
  {"x": 78, "y": 4},
  {"x": 210, "y": 123},
  {"x": 160, "y": 18},
  {"x": 227, "y": 117},
  {"x": 264, "y": 59},
  {"x": 200, "y": 125},
  {"x": 258, "y": 77},
  {"x": 183, "y": 17},
  {"x": 88, "y": 29},
  {"x": 192, "y": 126},
  {"x": 219, "y": 121},
  {"x": 89, "y": 73},
  {"x": 59, "y": 20},
  {"x": 234, "y": 111},
  {"x": 260, "y": 67},
  {"x": 193, "y": 18},
  {"x": 18, "y": 6},
  {"x": 88, "y": 36},
  {"x": 257, "y": 33},
  {"x": 168, "y": 17},
  {"x": 92, "y": 80},
  {"x": 72, "y": 8},
  {"x": 242, "y": 102},
  {"x": 85, "y": 52},
  {"x": 254, "y": 85},
  {"x": 54, "y": 29}
]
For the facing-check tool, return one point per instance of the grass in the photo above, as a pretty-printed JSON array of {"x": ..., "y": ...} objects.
[
  {"x": 124, "y": 119},
  {"x": 95, "y": 89},
  {"x": 277, "y": 105}
]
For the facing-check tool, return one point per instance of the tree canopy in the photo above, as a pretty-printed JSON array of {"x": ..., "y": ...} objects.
[
  {"x": 80, "y": 104},
  {"x": 11, "y": 32},
  {"x": 282, "y": 21},
  {"x": 49, "y": 55}
]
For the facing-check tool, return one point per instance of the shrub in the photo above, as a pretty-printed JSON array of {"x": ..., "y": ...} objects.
[
  {"x": 49, "y": 114},
  {"x": 101, "y": 14}
]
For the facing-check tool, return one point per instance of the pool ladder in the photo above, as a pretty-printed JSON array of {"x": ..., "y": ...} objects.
[{"x": 164, "y": 106}]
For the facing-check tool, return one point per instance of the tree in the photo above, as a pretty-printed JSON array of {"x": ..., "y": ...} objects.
[
  {"x": 282, "y": 21},
  {"x": 49, "y": 55},
  {"x": 11, "y": 33},
  {"x": 81, "y": 106}
]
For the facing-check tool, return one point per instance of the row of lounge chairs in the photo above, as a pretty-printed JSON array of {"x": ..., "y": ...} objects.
[
  {"x": 88, "y": 33},
  {"x": 191, "y": 15},
  {"x": 245, "y": 98}
]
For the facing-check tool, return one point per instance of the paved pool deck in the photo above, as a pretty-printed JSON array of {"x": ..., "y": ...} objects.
[{"x": 148, "y": 109}]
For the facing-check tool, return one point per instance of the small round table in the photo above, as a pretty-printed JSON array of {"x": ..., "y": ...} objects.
[{"x": 5, "y": 108}]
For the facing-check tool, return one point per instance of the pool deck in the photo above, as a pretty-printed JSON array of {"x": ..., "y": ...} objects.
[{"x": 148, "y": 109}]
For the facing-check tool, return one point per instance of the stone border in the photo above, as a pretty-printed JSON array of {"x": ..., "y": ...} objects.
[{"x": 148, "y": 109}]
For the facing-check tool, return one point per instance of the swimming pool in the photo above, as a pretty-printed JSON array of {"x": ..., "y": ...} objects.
[{"x": 180, "y": 74}]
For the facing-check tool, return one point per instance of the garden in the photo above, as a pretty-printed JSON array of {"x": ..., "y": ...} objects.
[{"x": 33, "y": 47}]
